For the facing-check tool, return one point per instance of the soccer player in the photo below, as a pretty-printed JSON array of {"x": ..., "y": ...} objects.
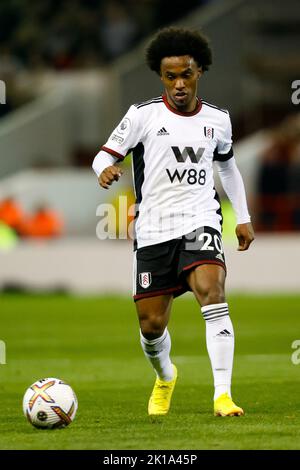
[{"x": 174, "y": 140}]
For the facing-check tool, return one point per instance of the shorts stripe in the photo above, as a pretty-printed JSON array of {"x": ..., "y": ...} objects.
[
  {"x": 134, "y": 274},
  {"x": 207, "y": 261},
  {"x": 157, "y": 292}
]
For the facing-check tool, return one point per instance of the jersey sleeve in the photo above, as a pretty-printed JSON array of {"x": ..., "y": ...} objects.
[
  {"x": 223, "y": 151},
  {"x": 125, "y": 136},
  {"x": 233, "y": 185}
]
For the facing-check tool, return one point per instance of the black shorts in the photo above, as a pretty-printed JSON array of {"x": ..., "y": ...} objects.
[{"x": 161, "y": 269}]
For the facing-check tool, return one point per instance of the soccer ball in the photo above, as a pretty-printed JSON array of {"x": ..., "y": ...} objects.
[{"x": 50, "y": 403}]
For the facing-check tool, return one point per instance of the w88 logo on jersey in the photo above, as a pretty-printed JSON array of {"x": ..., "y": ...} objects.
[{"x": 191, "y": 176}]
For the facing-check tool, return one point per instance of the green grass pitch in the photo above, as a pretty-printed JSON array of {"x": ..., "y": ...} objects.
[{"x": 93, "y": 343}]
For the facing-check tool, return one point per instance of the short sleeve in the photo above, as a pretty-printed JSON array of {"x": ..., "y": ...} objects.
[
  {"x": 125, "y": 136},
  {"x": 224, "y": 150}
]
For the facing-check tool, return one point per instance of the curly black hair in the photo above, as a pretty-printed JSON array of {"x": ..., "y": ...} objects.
[{"x": 174, "y": 42}]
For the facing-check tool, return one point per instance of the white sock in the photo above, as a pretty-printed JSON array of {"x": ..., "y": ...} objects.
[
  {"x": 158, "y": 352},
  {"x": 220, "y": 345}
]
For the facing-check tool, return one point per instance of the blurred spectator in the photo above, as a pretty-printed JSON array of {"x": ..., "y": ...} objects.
[
  {"x": 118, "y": 30},
  {"x": 9, "y": 63},
  {"x": 11, "y": 213},
  {"x": 44, "y": 223},
  {"x": 294, "y": 172},
  {"x": 278, "y": 181},
  {"x": 60, "y": 41}
]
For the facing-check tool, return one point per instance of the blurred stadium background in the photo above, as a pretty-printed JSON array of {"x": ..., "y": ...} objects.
[{"x": 71, "y": 70}]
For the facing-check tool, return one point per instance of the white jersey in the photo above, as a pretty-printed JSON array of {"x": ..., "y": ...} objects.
[{"x": 172, "y": 163}]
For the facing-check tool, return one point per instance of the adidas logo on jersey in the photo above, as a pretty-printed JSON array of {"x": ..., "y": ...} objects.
[
  {"x": 219, "y": 256},
  {"x": 162, "y": 131}
]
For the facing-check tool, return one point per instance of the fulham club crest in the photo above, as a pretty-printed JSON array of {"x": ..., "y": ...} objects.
[
  {"x": 209, "y": 132},
  {"x": 145, "y": 280}
]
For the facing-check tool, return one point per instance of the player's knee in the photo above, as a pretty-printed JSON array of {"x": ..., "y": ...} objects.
[
  {"x": 214, "y": 295},
  {"x": 211, "y": 294},
  {"x": 152, "y": 326}
]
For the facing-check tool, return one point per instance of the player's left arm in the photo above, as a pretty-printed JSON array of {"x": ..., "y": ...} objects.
[{"x": 233, "y": 185}]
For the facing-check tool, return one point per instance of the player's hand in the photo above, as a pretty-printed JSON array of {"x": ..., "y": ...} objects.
[
  {"x": 245, "y": 235},
  {"x": 109, "y": 175}
]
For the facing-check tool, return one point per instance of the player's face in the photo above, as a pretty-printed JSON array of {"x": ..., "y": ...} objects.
[{"x": 180, "y": 78}]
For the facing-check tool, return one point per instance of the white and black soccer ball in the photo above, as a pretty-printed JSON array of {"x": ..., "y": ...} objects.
[{"x": 50, "y": 403}]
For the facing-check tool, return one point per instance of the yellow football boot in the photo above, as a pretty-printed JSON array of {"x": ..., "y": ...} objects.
[
  {"x": 160, "y": 400},
  {"x": 224, "y": 406}
]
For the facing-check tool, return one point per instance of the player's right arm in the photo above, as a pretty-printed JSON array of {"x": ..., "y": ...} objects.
[
  {"x": 106, "y": 168},
  {"x": 123, "y": 138}
]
